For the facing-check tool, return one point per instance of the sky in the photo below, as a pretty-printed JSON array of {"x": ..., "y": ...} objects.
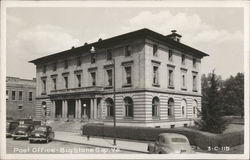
[{"x": 35, "y": 32}]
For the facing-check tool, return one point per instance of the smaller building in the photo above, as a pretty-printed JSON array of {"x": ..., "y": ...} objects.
[{"x": 20, "y": 97}]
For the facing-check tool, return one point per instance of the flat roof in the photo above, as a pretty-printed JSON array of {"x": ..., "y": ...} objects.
[{"x": 142, "y": 33}]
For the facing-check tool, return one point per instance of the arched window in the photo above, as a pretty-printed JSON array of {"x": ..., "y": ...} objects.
[
  {"x": 183, "y": 108},
  {"x": 155, "y": 106},
  {"x": 171, "y": 108},
  {"x": 195, "y": 106},
  {"x": 110, "y": 107},
  {"x": 129, "y": 107}
]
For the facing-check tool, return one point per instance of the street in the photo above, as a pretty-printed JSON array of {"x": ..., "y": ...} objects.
[{"x": 56, "y": 147}]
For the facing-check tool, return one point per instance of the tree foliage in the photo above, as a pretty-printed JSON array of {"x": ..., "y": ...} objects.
[
  {"x": 220, "y": 98},
  {"x": 212, "y": 112},
  {"x": 232, "y": 95}
]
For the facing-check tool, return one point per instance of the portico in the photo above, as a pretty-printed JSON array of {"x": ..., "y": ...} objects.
[{"x": 76, "y": 108}]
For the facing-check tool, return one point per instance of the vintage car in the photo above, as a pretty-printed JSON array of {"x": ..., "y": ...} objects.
[
  {"x": 170, "y": 143},
  {"x": 10, "y": 127},
  {"x": 42, "y": 133},
  {"x": 23, "y": 131}
]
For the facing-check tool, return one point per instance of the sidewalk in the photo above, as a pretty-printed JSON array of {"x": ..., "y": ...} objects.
[{"x": 105, "y": 142}]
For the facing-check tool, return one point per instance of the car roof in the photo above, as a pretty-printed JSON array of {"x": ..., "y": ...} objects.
[{"x": 172, "y": 135}]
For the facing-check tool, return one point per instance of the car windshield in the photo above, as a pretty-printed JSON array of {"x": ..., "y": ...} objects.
[
  {"x": 41, "y": 129},
  {"x": 22, "y": 126},
  {"x": 179, "y": 140}
]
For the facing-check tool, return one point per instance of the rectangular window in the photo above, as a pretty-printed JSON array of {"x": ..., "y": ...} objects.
[
  {"x": 54, "y": 83},
  {"x": 128, "y": 51},
  {"x": 109, "y": 76},
  {"x": 109, "y": 54},
  {"x": 128, "y": 75},
  {"x": 44, "y": 86},
  {"x": 66, "y": 65},
  {"x": 13, "y": 95},
  {"x": 170, "y": 78},
  {"x": 20, "y": 107},
  {"x": 93, "y": 76},
  {"x": 155, "y": 75},
  {"x": 170, "y": 55},
  {"x": 66, "y": 82},
  {"x": 54, "y": 66},
  {"x": 30, "y": 96},
  {"x": 183, "y": 59},
  {"x": 7, "y": 95},
  {"x": 20, "y": 95},
  {"x": 93, "y": 57},
  {"x": 78, "y": 61},
  {"x": 194, "y": 82},
  {"x": 183, "y": 81},
  {"x": 155, "y": 49},
  {"x": 194, "y": 62},
  {"x": 44, "y": 68},
  {"x": 79, "y": 84}
]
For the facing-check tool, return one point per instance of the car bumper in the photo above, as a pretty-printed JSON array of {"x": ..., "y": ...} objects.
[
  {"x": 20, "y": 136},
  {"x": 37, "y": 139}
]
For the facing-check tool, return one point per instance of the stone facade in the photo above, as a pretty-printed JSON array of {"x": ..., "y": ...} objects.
[
  {"x": 157, "y": 81},
  {"x": 20, "y": 97}
]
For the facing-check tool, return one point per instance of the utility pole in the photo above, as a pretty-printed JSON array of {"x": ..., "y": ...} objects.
[{"x": 114, "y": 108}]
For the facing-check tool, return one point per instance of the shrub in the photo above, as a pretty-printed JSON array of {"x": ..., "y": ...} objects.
[{"x": 196, "y": 137}]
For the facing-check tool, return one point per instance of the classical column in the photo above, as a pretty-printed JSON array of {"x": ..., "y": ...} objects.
[
  {"x": 101, "y": 108},
  {"x": 53, "y": 109},
  {"x": 80, "y": 108},
  {"x": 76, "y": 108},
  {"x": 91, "y": 108},
  {"x": 63, "y": 108},
  {"x": 95, "y": 108},
  {"x": 66, "y": 108}
]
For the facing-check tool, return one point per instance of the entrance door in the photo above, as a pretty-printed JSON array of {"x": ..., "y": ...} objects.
[
  {"x": 58, "y": 108},
  {"x": 71, "y": 108}
]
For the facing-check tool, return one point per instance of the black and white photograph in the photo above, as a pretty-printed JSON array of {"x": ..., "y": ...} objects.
[{"x": 124, "y": 80}]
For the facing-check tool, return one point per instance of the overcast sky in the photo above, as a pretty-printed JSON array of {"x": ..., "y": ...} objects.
[{"x": 37, "y": 32}]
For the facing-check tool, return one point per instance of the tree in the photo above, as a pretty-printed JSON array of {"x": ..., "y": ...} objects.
[
  {"x": 232, "y": 95},
  {"x": 212, "y": 112}
]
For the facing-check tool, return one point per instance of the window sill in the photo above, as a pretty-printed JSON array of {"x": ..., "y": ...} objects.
[
  {"x": 184, "y": 89},
  {"x": 108, "y": 87},
  {"x": 127, "y": 85},
  {"x": 155, "y": 85},
  {"x": 155, "y": 117},
  {"x": 109, "y": 118},
  {"x": 171, "y": 87},
  {"x": 128, "y": 118}
]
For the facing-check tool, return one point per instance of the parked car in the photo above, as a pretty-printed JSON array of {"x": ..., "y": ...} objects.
[
  {"x": 23, "y": 131},
  {"x": 168, "y": 143},
  {"x": 42, "y": 133},
  {"x": 10, "y": 127}
]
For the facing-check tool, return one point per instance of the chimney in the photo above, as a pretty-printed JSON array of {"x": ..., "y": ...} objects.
[{"x": 174, "y": 36}]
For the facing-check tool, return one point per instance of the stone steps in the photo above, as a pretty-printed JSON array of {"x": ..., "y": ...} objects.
[{"x": 64, "y": 126}]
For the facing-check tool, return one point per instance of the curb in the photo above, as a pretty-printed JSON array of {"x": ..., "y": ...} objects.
[{"x": 93, "y": 145}]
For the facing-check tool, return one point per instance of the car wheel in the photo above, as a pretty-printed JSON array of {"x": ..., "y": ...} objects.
[
  {"x": 160, "y": 152},
  {"x": 31, "y": 141},
  {"x": 14, "y": 138}
]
